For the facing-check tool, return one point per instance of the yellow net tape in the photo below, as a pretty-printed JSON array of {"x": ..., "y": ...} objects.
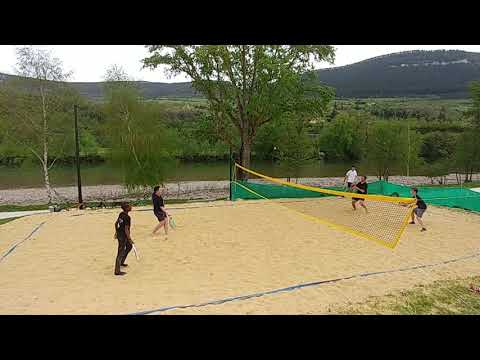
[{"x": 384, "y": 221}]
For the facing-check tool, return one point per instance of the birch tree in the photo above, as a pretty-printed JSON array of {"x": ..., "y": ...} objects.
[{"x": 37, "y": 107}]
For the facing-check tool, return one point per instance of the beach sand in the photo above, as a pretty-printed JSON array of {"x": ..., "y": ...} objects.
[{"x": 219, "y": 250}]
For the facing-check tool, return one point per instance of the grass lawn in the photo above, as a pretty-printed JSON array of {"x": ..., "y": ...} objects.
[
  {"x": 452, "y": 297},
  {"x": 4, "y": 221},
  {"x": 6, "y": 208}
]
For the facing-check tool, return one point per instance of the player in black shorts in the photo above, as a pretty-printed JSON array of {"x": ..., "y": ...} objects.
[
  {"x": 159, "y": 210},
  {"x": 419, "y": 210},
  {"x": 122, "y": 234},
  {"x": 361, "y": 188}
]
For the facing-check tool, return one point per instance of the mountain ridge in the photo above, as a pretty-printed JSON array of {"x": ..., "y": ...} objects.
[{"x": 416, "y": 73}]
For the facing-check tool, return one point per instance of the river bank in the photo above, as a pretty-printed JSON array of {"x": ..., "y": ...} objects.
[{"x": 186, "y": 190}]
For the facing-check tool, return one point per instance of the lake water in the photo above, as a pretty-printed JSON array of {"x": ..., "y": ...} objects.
[{"x": 104, "y": 174}]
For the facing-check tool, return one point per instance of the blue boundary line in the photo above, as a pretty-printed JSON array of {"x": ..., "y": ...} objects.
[
  {"x": 9, "y": 251},
  {"x": 299, "y": 286}
]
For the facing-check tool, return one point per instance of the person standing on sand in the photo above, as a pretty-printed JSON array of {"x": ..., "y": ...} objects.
[
  {"x": 159, "y": 210},
  {"x": 362, "y": 188},
  {"x": 350, "y": 177},
  {"x": 122, "y": 234},
  {"x": 419, "y": 210}
]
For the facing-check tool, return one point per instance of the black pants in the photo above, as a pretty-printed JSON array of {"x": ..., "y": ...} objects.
[{"x": 124, "y": 248}]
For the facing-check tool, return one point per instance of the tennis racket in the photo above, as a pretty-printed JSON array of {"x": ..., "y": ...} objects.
[
  {"x": 172, "y": 223},
  {"x": 136, "y": 252}
]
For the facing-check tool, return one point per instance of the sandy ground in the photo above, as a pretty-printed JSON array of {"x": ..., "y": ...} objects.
[{"x": 218, "y": 250}]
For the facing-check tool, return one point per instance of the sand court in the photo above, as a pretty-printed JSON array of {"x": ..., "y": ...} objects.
[{"x": 219, "y": 250}]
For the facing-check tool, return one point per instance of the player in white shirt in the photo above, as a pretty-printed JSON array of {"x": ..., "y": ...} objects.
[{"x": 350, "y": 177}]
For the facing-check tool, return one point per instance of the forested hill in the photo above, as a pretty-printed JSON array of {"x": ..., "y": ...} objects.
[{"x": 407, "y": 74}]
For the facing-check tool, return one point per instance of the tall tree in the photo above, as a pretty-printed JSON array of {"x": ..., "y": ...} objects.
[
  {"x": 141, "y": 143},
  {"x": 467, "y": 156},
  {"x": 38, "y": 106},
  {"x": 385, "y": 148},
  {"x": 248, "y": 86},
  {"x": 475, "y": 110},
  {"x": 295, "y": 147},
  {"x": 343, "y": 138}
]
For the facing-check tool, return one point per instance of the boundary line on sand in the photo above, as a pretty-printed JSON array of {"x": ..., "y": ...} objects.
[
  {"x": 300, "y": 286},
  {"x": 9, "y": 251}
]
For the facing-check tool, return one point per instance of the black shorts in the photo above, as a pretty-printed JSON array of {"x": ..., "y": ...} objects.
[
  {"x": 349, "y": 185},
  {"x": 160, "y": 216}
]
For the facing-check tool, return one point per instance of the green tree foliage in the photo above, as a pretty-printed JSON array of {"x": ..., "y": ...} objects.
[
  {"x": 410, "y": 144},
  {"x": 38, "y": 121},
  {"x": 344, "y": 137},
  {"x": 248, "y": 86},
  {"x": 385, "y": 147},
  {"x": 141, "y": 143},
  {"x": 438, "y": 170},
  {"x": 467, "y": 155},
  {"x": 437, "y": 145},
  {"x": 475, "y": 110},
  {"x": 296, "y": 148}
]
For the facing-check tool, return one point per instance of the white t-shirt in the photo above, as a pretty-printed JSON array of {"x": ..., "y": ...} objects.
[{"x": 351, "y": 176}]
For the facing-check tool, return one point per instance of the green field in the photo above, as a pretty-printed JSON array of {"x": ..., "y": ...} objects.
[{"x": 452, "y": 297}]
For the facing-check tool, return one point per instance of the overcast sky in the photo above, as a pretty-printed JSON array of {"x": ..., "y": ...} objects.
[{"x": 89, "y": 62}]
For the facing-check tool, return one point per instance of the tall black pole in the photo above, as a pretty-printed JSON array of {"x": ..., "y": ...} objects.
[
  {"x": 230, "y": 163},
  {"x": 77, "y": 157}
]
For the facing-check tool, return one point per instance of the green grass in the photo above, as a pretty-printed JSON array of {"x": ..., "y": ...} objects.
[
  {"x": 445, "y": 297},
  {"x": 4, "y": 221},
  {"x": 8, "y": 208}
]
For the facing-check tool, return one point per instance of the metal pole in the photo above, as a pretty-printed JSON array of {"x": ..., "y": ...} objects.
[
  {"x": 77, "y": 158},
  {"x": 408, "y": 158},
  {"x": 230, "y": 164}
]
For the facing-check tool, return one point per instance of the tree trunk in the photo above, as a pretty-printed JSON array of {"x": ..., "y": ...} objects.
[
  {"x": 245, "y": 153},
  {"x": 46, "y": 178},
  {"x": 45, "y": 148}
]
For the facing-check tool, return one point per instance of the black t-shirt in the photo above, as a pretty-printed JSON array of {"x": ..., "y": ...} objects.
[
  {"x": 420, "y": 203},
  {"x": 157, "y": 203},
  {"x": 363, "y": 186},
  {"x": 122, "y": 222}
]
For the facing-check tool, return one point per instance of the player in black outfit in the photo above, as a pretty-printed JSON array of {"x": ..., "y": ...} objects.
[
  {"x": 159, "y": 210},
  {"x": 122, "y": 233},
  {"x": 419, "y": 210},
  {"x": 361, "y": 187}
]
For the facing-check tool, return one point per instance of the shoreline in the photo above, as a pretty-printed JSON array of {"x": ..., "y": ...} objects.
[{"x": 185, "y": 190}]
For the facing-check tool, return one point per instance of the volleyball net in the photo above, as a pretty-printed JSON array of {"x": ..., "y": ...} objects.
[{"x": 383, "y": 219}]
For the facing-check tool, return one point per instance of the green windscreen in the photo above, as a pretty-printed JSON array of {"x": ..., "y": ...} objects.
[{"x": 452, "y": 197}]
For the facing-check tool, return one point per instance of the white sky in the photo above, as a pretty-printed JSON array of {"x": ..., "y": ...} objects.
[{"x": 89, "y": 62}]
